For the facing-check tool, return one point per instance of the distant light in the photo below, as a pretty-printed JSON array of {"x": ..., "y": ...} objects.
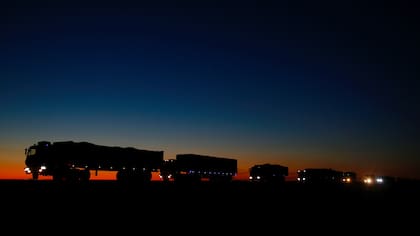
[
  {"x": 367, "y": 180},
  {"x": 346, "y": 180}
]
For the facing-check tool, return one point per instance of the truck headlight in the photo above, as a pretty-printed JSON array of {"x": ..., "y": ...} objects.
[{"x": 27, "y": 170}]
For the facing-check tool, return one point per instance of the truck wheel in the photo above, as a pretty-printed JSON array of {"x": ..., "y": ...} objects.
[
  {"x": 84, "y": 175},
  {"x": 35, "y": 175},
  {"x": 122, "y": 176},
  {"x": 58, "y": 177}
]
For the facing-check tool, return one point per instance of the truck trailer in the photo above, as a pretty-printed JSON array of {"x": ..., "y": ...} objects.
[
  {"x": 191, "y": 168},
  {"x": 74, "y": 161}
]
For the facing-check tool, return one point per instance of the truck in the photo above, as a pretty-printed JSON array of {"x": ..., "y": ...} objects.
[
  {"x": 74, "y": 161},
  {"x": 268, "y": 173},
  {"x": 193, "y": 168},
  {"x": 378, "y": 180},
  {"x": 324, "y": 176}
]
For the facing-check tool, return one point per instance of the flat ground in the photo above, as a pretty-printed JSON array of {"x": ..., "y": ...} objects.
[{"x": 238, "y": 206}]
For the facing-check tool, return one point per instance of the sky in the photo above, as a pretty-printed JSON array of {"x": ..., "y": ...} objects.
[{"x": 306, "y": 84}]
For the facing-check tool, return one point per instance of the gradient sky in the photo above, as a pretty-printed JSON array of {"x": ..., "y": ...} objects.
[{"x": 299, "y": 84}]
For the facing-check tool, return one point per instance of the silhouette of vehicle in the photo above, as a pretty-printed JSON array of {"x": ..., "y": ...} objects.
[
  {"x": 192, "y": 168},
  {"x": 268, "y": 173},
  {"x": 319, "y": 176},
  {"x": 73, "y": 161},
  {"x": 349, "y": 177},
  {"x": 372, "y": 179}
]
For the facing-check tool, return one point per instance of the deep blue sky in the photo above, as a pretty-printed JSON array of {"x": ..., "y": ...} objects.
[{"x": 301, "y": 84}]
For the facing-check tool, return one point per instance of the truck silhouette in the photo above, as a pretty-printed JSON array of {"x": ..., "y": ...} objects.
[
  {"x": 325, "y": 176},
  {"x": 74, "y": 161},
  {"x": 268, "y": 173},
  {"x": 190, "y": 168}
]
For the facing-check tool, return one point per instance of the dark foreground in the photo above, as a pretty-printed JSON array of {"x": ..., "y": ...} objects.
[{"x": 237, "y": 207}]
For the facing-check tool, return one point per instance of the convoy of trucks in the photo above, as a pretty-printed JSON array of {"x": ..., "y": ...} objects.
[{"x": 75, "y": 161}]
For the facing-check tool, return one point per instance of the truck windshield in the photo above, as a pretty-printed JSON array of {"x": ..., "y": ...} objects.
[{"x": 31, "y": 151}]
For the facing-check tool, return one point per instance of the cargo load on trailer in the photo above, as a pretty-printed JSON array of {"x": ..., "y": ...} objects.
[{"x": 196, "y": 167}]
